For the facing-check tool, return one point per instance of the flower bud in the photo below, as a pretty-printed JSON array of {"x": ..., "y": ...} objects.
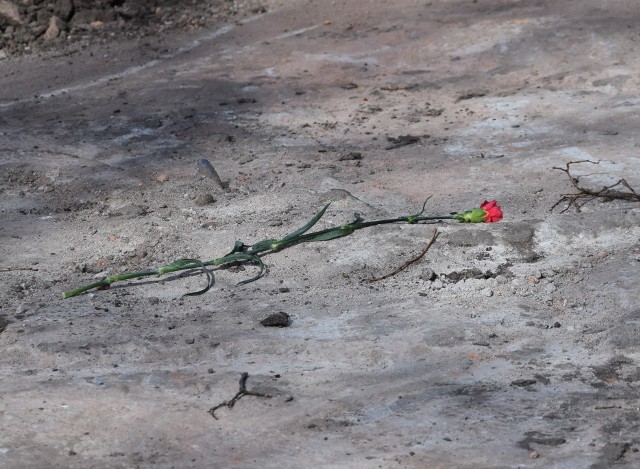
[{"x": 477, "y": 215}]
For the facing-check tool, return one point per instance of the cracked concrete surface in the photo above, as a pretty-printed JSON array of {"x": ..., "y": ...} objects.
[{"x": 521, "y": 352}]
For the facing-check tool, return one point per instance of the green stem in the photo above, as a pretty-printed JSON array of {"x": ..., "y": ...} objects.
[
  {"x": 251, "y": 252},
  {"x": 349, "y": 228},
  {"x": 107, "y": 281}
]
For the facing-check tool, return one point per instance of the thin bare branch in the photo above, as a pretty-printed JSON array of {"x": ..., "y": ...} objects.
[
  {"x": 410, "y": 261},
  {"x": 585, "y": 195}
]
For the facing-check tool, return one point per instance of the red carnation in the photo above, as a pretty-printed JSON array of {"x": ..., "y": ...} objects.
[{"x": 493, "y": 210}]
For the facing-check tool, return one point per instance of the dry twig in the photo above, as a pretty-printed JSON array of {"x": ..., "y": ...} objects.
[
  {"x": 242, "y": 391},
  {"x": 607, "y": 193},
  {"x": 410, "y": 261}
]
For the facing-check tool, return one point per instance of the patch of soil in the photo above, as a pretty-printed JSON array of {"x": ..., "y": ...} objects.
[{"x": 36, "y": 26}]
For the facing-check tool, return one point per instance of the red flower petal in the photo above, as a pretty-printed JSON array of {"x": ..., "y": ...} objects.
[{"x": 492, "y": 210}]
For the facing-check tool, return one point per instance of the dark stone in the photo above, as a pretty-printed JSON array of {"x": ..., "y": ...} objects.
[
  {"x": 63, "y": 9},
  {"x": 539, "y": 439},
  {"x": 352, "y": 155},
  {"x": 523, "y": 382},
  {"x": 276, "y": 320},
  {"x": 402, "y": 141},
  {"x": 469, "y": 273},
  {"x": 204, "y": 199}
]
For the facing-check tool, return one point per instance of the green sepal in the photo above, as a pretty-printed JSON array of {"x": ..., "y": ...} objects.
[{"x": 477, "y": 215}]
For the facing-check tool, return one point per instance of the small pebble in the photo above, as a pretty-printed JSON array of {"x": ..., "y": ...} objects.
[
  {"x": 204, "y": 199},
  {"x": 428, "y": 275}
]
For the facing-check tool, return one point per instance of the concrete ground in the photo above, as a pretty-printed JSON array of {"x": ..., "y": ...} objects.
[{"x": 508, "y": 345}]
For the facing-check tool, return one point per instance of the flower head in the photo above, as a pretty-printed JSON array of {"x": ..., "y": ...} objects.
[
  {"x": 489, "y": 212},
  {"x": 494, "y": 212}
]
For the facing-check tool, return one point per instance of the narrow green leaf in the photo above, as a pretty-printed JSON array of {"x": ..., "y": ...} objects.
[
  {"x": 308, "y": 226},
  {"x": 263, "y": 269},
  {"x": 244, "y": 256},
  {"x": 416, "y": 217},
  {"x": 198, "y": 263}
]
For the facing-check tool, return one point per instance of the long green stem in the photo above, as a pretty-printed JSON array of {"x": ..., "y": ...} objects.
[
  {"x": 345, "y": 230},
  {"x": 242, "y": 252},
  {"x": 105, "y": 282}
]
